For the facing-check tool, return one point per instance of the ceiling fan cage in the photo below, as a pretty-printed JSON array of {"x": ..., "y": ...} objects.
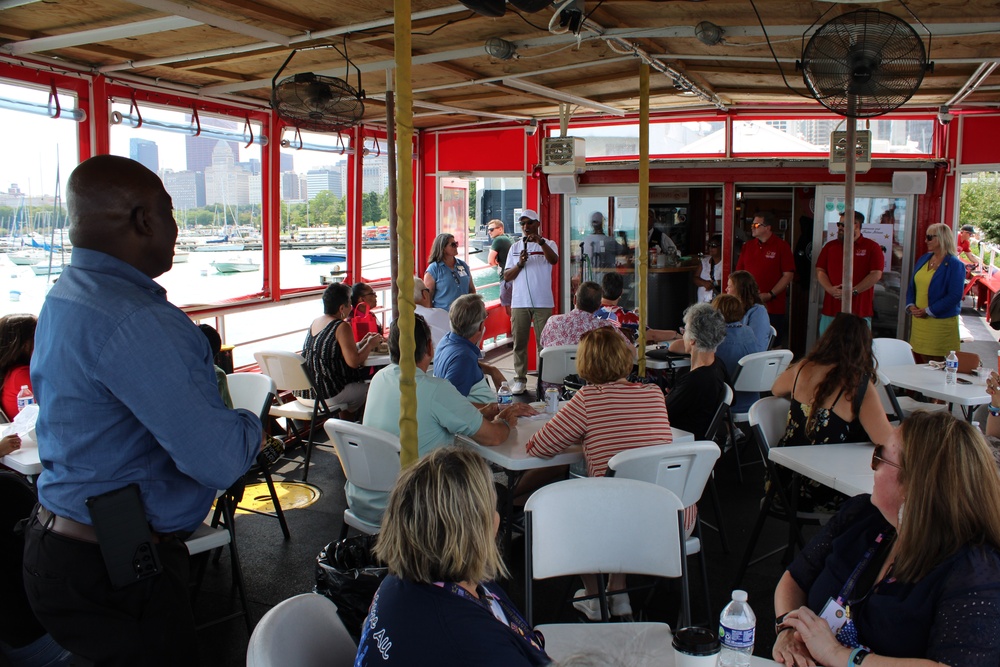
[
  {"x": 320, "y": 103},
  {"x": 317, "y": 102},
  {"x": 864, "y": 63}
]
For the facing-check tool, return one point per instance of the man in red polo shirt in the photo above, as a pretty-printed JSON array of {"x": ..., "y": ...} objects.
[
  {"x": 770, "y": 261},
  {"x": 868, "y": 265}
]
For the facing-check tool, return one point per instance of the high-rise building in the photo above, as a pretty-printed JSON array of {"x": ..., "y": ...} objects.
[
  {"x": 376, "y": 174},
  {"x": 327, "y": 178},
  {"x": 287, "y": 162},
  {"x": 225, "y": 182},
  {"x": 186, "y": 188},
  {"x": 290, "y": 190},
  {"x": 199, "y": 149},
  {"x": 146, "y": 153}
]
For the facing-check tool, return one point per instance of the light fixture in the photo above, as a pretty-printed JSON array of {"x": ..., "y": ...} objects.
[
  {"x": 708, "y": 33},
  {"x": 501, "y": 49}
]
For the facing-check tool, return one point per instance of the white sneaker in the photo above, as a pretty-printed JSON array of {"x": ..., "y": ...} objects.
[
  {"x": 619, "y": 605},
  {"x": 589, "y": 608},
  {"x": 517, "y": 387}
]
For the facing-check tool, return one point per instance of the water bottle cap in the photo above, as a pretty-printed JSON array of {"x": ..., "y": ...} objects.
[{"x": 740, "y": 596}]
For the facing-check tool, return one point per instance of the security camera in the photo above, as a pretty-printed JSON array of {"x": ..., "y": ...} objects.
[
  {"x": 945, "y": 116},
  {"x": 531, "y": 127}
]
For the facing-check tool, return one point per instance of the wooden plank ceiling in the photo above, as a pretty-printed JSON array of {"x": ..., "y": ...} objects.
[{"x": 232, "y": 49}]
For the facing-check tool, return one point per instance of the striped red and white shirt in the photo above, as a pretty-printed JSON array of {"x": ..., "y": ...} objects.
[{"x": 606, "y": 419}]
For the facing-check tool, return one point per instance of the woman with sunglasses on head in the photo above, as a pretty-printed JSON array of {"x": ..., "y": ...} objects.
[
  {"x": 909, "y": 575},
  {"x": 934, "y": 296},
  {"x": 447, "y": 276}
]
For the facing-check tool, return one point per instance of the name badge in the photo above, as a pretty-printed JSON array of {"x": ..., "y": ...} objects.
[{"x": 834, "y": 614}]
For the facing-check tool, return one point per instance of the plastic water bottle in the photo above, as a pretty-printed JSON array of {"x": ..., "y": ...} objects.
[
  {"x": 951, "y": 369},
  {"x": 736, "y": 632},
  {"x": 504, "y": 395},
  {"x": 24, "y": 398}
]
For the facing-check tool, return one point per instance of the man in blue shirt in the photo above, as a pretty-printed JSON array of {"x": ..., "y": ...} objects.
[
  {"x": 458, "y": 358},
  {"x": 127, "y": 392}
]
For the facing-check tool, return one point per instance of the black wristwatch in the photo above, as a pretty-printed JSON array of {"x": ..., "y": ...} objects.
[
  {"x": 859, "y": 655},
  {"x": 854, "y": 292},
  {"x": 778, "y": 623}
]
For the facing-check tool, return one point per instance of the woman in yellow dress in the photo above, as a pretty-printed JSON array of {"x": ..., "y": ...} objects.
[{"x": 934, "y": 297}]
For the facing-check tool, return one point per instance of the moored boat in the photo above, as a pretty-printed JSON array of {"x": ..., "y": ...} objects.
[
  {"x": 235, "y": 266},
  {"x": 326, "y": 255}
]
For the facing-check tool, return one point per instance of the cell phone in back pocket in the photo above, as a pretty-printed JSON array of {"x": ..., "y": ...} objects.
[{"x": 124, "y": 536}]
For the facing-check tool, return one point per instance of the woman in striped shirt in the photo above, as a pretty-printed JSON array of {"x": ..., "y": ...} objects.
[{"x": 608, "y": 415}]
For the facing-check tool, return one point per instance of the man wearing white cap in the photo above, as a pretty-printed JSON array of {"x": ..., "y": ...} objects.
[{"x": 529, "y": 269}]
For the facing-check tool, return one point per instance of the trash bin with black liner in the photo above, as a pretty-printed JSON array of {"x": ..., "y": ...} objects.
[{"x": 348, "y": 574}]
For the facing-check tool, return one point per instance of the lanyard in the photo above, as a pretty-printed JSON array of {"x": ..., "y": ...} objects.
[
  {"x": 514, "y": 619},
  {"x": 865, "y": 560}
]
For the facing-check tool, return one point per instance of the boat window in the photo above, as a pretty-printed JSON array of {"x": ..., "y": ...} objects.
[
  {"x": 46, "y": 148},
  {"x": 214, "y": 180}
]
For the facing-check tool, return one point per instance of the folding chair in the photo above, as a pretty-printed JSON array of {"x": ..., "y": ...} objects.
[
  {"x": 554, "y": 364},
  {"x": 772, "y": 338},
  {"x": 207, "y": 538},
  {"x": 370, "y": 458},
  {"x": 895, "y": 352},
  {"x": 769, "y": 418},
  {"x": 255, "y": 392},
  {"x": 304, "y": 631},
  {"x": 717, "y": 432},
  {"x": 290, "y": 373},
  {"x": 583, "y": 526},
  {"x": 683, "y": 468}
]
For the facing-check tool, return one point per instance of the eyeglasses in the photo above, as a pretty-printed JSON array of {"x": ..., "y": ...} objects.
[
  {"x": 367, "y": 294},
  {"x": 840, "y": 224},
  {"x": 757, "y": 224},
  {"x": 878, "y": 459},
  {"x": 713, "y": 245},
  {"x": 454, "y": 244},
  {"x": 490, "y": 229},
  {"x": 931, "y": 237}
]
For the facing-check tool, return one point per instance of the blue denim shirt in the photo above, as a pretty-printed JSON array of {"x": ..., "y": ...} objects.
[{"x": 127, "y": 393}]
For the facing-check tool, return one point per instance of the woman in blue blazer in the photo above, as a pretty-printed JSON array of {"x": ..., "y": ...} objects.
[{"x": 934, "y": 297}]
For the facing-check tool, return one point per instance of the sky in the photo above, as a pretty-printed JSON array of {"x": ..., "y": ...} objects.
[{"x": 29, "y": 144}]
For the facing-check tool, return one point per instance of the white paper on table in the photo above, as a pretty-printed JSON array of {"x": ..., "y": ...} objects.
[{"x": 24, "y": 425}]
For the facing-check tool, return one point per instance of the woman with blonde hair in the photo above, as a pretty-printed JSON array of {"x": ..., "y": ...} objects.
[
  {"x": 934, "y": 296},
  {"x": 447, "y": 276},
  {"x": 439, "y": 606},
  {"x": 608, "y": 415},
  {"x": 914, "y": 568}
]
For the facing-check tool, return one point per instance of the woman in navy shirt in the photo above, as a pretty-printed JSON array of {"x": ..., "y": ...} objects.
[
  {"x": 447, "y": 276},
  {"x": 912, "y": 571},
  {"x": 439, "y": 606}
]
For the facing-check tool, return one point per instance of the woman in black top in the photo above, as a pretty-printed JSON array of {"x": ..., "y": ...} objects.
[
  {"x": 693, "y": 401},
  {"x": 332, "y": 355}
]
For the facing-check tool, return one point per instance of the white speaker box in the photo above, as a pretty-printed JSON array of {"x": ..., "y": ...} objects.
[
  {"x": 909, "y": 182},
  {"x": 562, "y": 184}
]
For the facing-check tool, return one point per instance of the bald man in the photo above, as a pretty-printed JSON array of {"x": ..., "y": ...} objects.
[{"x": 128, "y": 396}]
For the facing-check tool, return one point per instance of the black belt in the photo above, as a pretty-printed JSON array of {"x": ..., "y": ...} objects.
[{"x": 85, "y": 532}]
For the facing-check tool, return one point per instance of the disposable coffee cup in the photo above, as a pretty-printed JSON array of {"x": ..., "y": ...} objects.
[{"x": 696, "y": 647}]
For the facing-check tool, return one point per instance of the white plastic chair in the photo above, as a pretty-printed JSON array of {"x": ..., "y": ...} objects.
[
  {"x": 210, "y": 537},
  {"x": 370, "y": 458},
  {"x": 772, "y": 338},
  {"x": 684, "y": 468},
  {"x": 758, "y": 371},
  {"x": 557, "y": 362},
  {"x": 290, "y": 373},
  {"x": 256, "y": 392},
  {"x": 304, "y": 631},
  {"x": 607, "y": 526},
  {"x": 769, "y": 420},
  {"x": 892, "y": 352}
]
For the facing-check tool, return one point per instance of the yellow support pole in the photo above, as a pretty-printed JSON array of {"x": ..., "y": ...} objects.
[
  {"x": 642, "y": 247},
  {"x": 404, "y": 211}
]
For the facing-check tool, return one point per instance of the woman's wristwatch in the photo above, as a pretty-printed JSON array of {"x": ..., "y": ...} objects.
[
  {"x": 779, "y": 626},
  {"x": 857, "y": 656}
]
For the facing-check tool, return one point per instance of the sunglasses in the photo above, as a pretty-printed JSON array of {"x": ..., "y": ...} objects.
[
  {"x": 878, "y": 459},
  {"x": 490, "y": 229},
  {"x": 931, "y": 237},
  {"x": 840, "y": 224},
  {"x": 453, "y": 244}
]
